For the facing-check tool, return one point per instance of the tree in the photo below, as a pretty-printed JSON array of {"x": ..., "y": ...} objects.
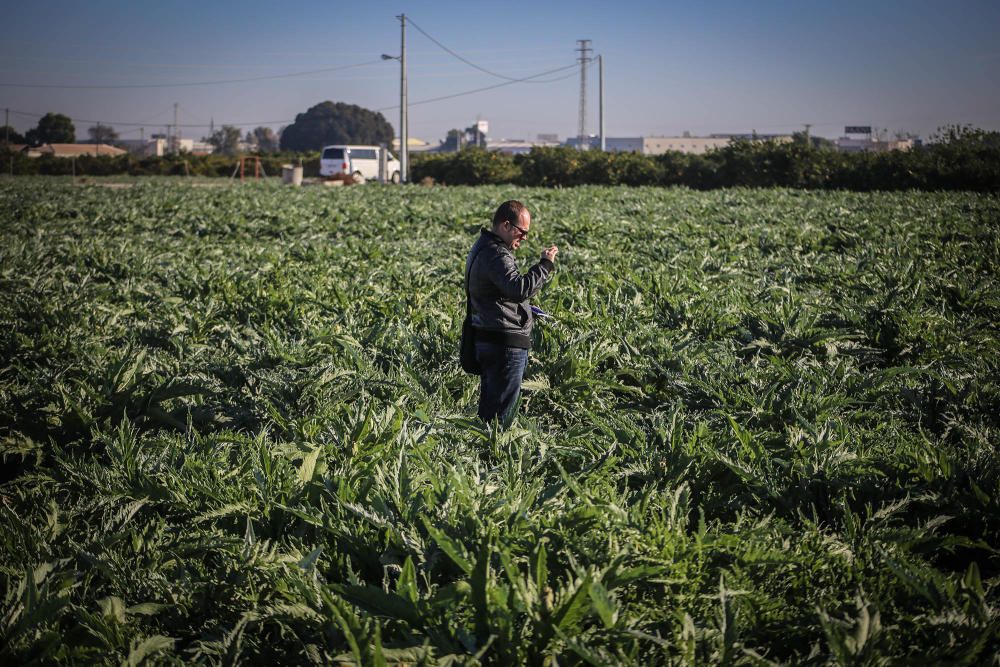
[
  {"x": 102, "y": 134},
  {"x": 329, "y": 123},
  {"x": 9, "y": 134},
  {"x": 266, "y": 139},
  {"x": 53, "y": 128},
  {"x": 226, "y": 140}
]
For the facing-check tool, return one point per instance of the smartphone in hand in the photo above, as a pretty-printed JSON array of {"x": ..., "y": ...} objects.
[{"x": 538, "y": 312}]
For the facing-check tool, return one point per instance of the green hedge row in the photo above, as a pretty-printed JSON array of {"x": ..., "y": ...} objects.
[{"x": 962, "y": 160}]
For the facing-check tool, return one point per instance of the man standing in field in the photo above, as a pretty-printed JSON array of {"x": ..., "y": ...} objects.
[{"x": 500, "y": 309}]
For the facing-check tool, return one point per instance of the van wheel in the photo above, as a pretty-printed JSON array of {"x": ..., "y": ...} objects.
[
  {"x": 358, "y": 177},
  {"x": 395, "y": 178}
]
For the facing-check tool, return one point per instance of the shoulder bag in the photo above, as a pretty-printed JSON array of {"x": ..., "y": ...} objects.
[{"x": 467, "y": 347}]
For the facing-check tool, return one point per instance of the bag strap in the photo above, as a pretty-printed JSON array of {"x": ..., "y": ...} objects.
[{"x": 468, "y": 275}]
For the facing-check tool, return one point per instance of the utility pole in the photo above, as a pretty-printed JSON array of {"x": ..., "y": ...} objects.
[
  {"x": 808, "y": 142},
  {"x": 600, "y": 105},
  {"x": 97, "y": 142},
  {"x": 584, "y": 60},
  {"x": 176, "y": 142},
  {"x": 404, "y": 139},
  {"x": 6, "y": 137}
]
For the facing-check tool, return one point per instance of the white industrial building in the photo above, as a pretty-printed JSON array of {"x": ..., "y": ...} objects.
[
  {"x": 72, "y": 150},
  {"x": 702, "y": 145},
  {"x": 158, "y": 146},
  {"x": 517, "y": 146},
  {"x": 414, "y": 145},
  {"x": 872, "y": 145},
  {"x": 697, "y": 145},
  {"x": 621, "y": 144}
]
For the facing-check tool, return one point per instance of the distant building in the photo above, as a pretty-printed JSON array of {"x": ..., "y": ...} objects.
[
  {"x": 611, "y": 144},
  {"x": 133, "y": 146},
  {"x": 457, "y": 139},
  {"x": 753, "y": 136},
  {"x": 872, "y": 145},
  {"x": 696, "y": 145},
  {"x": 155, "y": 147},
  {"x": 702, "y": 145},
  {"x": 589, "y": 142},
  {"x": 201, "y": 148},
  {"x": 413, "y": 144},
  {"x": 73, "y": 150},
  {"x": 516, "y": 146},
  {"x": 477, "y": 133},
  {"x": 159, "y": 145},
  {"x": 620, "y": 144}
]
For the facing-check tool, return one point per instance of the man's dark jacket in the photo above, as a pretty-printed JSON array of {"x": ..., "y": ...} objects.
[{"x": 499, "y": 294}]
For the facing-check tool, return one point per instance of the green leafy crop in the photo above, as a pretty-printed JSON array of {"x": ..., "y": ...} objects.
[{"x": 762, "y": 428}]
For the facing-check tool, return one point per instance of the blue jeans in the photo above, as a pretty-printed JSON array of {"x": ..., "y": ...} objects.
[{"x": 500, "y": 382}]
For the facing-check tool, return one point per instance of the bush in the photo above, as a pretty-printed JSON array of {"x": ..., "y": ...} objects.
[
  {"x": 472, "y": 166},
  {"x": 552, "y": 166},
  {"x": 169, "y": 165}
]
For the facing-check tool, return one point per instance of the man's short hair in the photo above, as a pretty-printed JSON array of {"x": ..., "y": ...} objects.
[{"x": 508, "y": 211}]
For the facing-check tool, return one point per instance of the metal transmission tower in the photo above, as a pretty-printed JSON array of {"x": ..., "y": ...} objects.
[{"x": 584, "y": 60}]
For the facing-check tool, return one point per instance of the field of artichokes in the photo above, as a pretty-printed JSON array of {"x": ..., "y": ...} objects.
[{"x": 762, "y": 427}]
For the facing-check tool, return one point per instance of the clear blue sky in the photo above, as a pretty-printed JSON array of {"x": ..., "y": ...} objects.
[{"x": 710, "y": 66}]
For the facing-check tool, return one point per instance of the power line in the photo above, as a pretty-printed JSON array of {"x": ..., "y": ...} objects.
[
  {"x": 34, "y": 114},
  {"x": 485, "y": 88},
  {"x": 128, "y": 54},
  {"x": 191, "y": 83},
  {"x": 469, "y": 62}
]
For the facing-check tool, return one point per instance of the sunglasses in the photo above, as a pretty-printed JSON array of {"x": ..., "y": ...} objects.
[{"x": 522, "y": 232}]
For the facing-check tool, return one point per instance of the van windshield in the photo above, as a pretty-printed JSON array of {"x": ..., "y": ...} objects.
[{"x": 333, "y": 154}]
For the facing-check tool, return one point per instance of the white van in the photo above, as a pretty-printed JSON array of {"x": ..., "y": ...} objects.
[{"x": 356, "y": 161}]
